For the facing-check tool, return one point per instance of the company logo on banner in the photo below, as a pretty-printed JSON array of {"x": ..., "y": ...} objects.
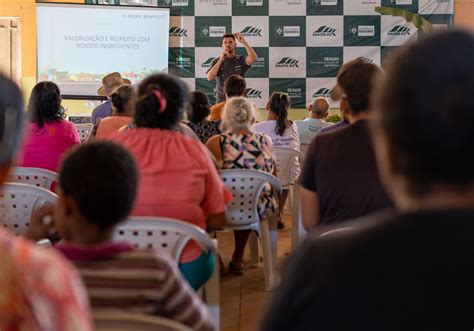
[
  {"x": 259, "y": 68},
  {"x": 324, "y": 2},
  {"x": 324, "y": 31},
  {"x": 181, "y": 32},
  {"x": 213, "y": 7},
  {"x": 362, "y": 30},
  {"x": 176, "y": 31},
  {"x": 287, "y": 7},
  {"x": 361, "y": 7},
  {"x": 323, "y": 92},
  {"x": 207, "y": 64},
  {"x": 294, "y": 87},
  {"x": 366, "y": 59},
  {"x": 325, "y": 7},
  {"x": 287, "y": 62},
  {"x": 181, "y": 61},
  {"x": 399, "y": 30},
  {"x": 251, "y": 31},
  {"x": 395, "y": 31},
  {"x": 255, "y": 31},
  {"x": 323, "y": 61},
  {"x": 287, "y": 31},
  {"x": 320, "y": 88},
  {"x": 250, "y": 3},
  {"x": 179, "y": 2},
  {"x": 213, "y": 31},
  {"x": 252, "y": 93},
  {"x": 400, "y": 2},
  {"x": 257, "y": 91}
]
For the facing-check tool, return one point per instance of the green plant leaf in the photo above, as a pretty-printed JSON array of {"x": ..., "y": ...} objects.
[{"x": 418, "y": 21}]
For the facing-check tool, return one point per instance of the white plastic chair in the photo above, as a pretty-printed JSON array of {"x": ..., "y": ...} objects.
[
  {"x": 119, "y": 320},
  {"x": 284, "y": 157},
  {"x": 242, "y": 214},
  {"x": 84, "y": 131},
  {"x": 34, "y": 176},
  {"x": 17, "y": 203},
  {"x": 171, "y": 235}
]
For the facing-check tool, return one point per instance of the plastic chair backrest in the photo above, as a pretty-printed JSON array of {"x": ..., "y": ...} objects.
[
  {"x": 84, "y": 131},
  {"x": 111, "y": 320},
  {"x": 162, "y": 233},
  {"x": 17, "y": 203},
  {"x": 284, "y": 157},
  {"x": 245, "y": 186},
  {"x": 34, "y": 176}
]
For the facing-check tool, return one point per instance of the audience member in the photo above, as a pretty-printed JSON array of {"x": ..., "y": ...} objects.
[
  {"x": 237, "y": 147},
  {"x": 177, "y": 177},
  {"x": 340, "y": 179},
  {"x": 198, "y": 111},
  {"x": 121, "y": 113},
  {"x": 234, "y": 86},
  {"x": 98, "y": 184},
  {"x": 336, "y": 95},
  {"x": 283, "y": 133},
  {"x": 410, "y": 269},
  {"x": 39, "y": 289},
  {"x": 110, "y": 83},
  {"x": 48, "y": 134},
  {"x": 307, "y": 128}
]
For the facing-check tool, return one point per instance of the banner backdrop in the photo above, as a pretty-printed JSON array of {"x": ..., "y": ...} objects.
[{"x": 300, "y": 43}]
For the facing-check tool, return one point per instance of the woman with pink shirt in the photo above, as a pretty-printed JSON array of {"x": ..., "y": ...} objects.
[
  {"x": 48, "y": 135},
  {"x": 178, "y": 179}
]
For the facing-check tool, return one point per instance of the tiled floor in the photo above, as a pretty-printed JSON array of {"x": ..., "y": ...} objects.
[{"x": 243, "y": 298}]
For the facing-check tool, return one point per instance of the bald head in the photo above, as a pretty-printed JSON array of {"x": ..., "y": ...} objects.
[{"x": 319, "y": 108}]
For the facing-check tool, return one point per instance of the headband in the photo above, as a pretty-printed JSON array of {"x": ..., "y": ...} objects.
[{"x": 161, "y": 99}]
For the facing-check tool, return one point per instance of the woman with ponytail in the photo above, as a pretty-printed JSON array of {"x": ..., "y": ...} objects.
[
  {"x": 284, "y": 133},
  {"x": 198, "y": 111},
  {"x": 177, "y": 177},
  {"x": 240, "y": 148},
  {"x": 48, "y": 135},
  {"x": 121, "y": 100}
]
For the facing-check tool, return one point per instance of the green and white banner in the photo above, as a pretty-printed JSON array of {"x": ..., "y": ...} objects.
[{"x": 301, "y": 44}]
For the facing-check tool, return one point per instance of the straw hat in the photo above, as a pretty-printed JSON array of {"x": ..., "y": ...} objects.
[{"x": 110, "y": 83}]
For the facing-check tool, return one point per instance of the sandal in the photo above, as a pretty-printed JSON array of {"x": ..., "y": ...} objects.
[{"x": 236, "y": 270}]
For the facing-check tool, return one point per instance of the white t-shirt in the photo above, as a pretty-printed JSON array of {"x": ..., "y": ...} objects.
[
  {"x": 289, "y": 139},
  {"x": 308, "y": 128}
]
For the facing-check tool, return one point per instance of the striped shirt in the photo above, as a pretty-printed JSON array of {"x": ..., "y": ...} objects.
[{"x": 142, "y": 281}]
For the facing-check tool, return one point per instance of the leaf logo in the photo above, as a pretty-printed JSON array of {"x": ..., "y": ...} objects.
[
  {"x": 287, "y": 62},
  {"x": 176, "y": 31}
]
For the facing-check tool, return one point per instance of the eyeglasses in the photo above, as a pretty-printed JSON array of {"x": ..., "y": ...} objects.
[{"x": 283, "y": 93}]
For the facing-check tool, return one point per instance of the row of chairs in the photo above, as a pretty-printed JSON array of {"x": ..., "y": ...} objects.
[{"x": 31, "y": 189}]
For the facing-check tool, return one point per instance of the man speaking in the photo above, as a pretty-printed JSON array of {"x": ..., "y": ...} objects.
[{"x": 229, "y": 63}]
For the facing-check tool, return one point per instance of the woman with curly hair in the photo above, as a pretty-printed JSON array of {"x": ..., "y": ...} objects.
[{"x": 48, "y": 135}]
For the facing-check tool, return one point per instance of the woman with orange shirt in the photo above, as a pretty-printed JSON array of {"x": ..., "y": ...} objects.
[{"x": 177, "y": 177}]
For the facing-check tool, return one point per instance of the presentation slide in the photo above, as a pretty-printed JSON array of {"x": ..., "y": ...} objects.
[{"x": 77, "y": 45}]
